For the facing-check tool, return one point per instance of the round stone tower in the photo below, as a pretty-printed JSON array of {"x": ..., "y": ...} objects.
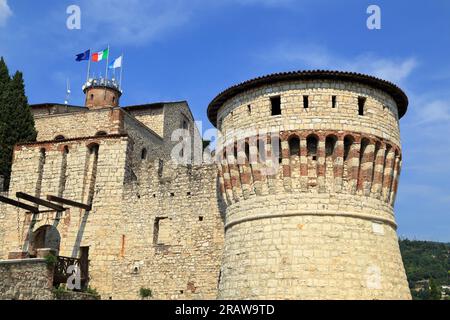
[
  {"x": 101, "y": 93},
  {"x": 315, "y": 220}
]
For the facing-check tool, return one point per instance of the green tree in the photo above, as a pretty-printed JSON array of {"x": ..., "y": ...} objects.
[
  {"x": 16, "y": 120},
  {"x": 435, "y": 290}
]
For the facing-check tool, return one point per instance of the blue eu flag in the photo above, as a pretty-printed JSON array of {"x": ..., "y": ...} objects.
[{"x": 84, "y": 56}]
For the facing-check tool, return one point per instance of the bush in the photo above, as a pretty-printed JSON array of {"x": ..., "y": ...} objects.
[
  {"x": 50, "y": 260},
  {"x": 59, "y": 292},
  {"x": 145, "y": 293},
  {"x": 92, "y": 291}
]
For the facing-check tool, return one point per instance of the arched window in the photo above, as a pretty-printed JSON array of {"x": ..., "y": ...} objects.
[
  {"x": 42, "y": 156},
  {"x": 144, "y": 154},
  {"x": 294, "y": 146},
  {"x": 364, "y": 143},
  {"x": 60, "y": 137},
  {"x": 66, "y": 149},
  {"x": 101, "y": 133},
  {"x": 113, "y": 99},
  {"x": 348, "y": 142},
  {"x": 93, "y": 148},
  {"x": 92, "y": 97},
  {"x": 261, "y": 151},
  {"x": 311, "y": 143},
  {"x": 247, "y": 151},
  {"x": 330, "y": 145},
  {"x": 277, "y": 150},
  {"x": 46, "y": 236}
]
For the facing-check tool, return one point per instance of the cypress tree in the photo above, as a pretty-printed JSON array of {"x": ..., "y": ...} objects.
[
  {"x": 16, "y": 120},
  {"x": 4, "y": 83}
]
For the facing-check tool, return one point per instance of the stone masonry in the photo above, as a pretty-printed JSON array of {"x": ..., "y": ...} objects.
[{"x": 319, "y": 225}]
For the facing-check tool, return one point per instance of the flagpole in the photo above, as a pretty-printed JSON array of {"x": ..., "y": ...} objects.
[
  {"x": 89, "y": 66},
  {"x": 121, "y": 69},
  {"x": 107, "y": 65}
]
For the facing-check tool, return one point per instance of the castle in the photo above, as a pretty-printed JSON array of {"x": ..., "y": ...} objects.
[{"x": 298, "y": 204}]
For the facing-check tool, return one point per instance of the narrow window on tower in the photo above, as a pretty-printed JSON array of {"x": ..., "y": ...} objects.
[
  {"x": 333, "y": 102},
  {"x": 305, "y": 102},
  {"x": 249, "y": 109},
  {"x": 92, "y": 97},
  {"x": 276, "y": 105},
  {"x": 361, "y": 104}
]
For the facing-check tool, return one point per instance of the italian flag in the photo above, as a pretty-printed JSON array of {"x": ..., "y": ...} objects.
[{"x": 99, "y": 56}]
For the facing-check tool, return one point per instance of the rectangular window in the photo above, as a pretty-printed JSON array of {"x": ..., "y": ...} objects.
[
  {"x": 361, "y": 104},
  {"x": 161, "y": 231},
  {"x": 333, "y": 101},
  {"x": 276, "y": 105},
  {"x": 249, "y": 109},
  {"x": 306, "y": 102}
]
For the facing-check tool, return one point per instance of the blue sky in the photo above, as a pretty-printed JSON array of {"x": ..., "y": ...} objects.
[{"x": 193, "y": 49}]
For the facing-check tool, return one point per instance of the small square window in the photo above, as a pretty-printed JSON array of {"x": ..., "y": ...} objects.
[
  {"x": 305, "y": 102},
  {"x": 361, "y": 105},
  {"x": 333, "y": 102},
  {"x": 276, "y": 105}
]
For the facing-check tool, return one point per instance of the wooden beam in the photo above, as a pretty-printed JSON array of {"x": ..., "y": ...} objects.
[
  {"x": 69, "y": 203},
  {"x": 19, "y": 204},
  {"x": 40, "y": 202}
]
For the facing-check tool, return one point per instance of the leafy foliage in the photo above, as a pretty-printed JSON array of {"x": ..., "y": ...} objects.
[
  {"x": 93, "y": 292},
  {"x": 145, "y": 293},
  {"x": 51, "y": 260},
  {"x": 16, "y": 119},
  {"x": 59, "y": 292},
  {"x": 425, "y": 260}
]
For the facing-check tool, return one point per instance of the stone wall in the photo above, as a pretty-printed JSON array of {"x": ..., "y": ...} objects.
[
  {"x": 310, "y": 208},
  {"x": 53, "y": 108},
  {"x": 380, "y": 117},
  {"x": 28, "y": 279},
  {"x": 304, "y": 247},
  {"x": 85, "y": 170},
  {"x": 172, "y": 234},
  {"x": 152, "y": 116},
  {"x": 174, "y": 116},
  {"x": 32, "y": 279},
  {"x": 128, "y": 194},
  {"x": 83, "y": 123},
  {"x": 99, "y": 97}
]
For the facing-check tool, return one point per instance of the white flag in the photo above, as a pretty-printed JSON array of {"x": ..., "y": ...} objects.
[{"x": 116, "y": 63}]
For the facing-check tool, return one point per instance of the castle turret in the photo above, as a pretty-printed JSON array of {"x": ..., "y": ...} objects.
[
  {"x": 102, "y": 93},
  {"x": 315, "y": 220}
]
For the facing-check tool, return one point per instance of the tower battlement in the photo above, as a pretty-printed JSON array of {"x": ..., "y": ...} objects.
[
  {"x": 102, "y": 93},
  {"x": 309, "y": 169}
]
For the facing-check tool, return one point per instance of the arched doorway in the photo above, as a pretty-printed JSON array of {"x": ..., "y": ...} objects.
[{"x": 45, "y": 237}]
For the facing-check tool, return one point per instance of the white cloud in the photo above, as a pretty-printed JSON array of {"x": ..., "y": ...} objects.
[
  {"x": 433, "y": 112},
  {"x": 141, "y": 21},
  {"x": 132, "y": 21},
  {"x": 318, "y": 57},
  {"x": 5, "y": 12}
]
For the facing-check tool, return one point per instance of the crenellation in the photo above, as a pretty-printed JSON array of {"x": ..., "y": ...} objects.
[
  {"x": 299, "y": 205},
  {"x": 340, "y": 151}
]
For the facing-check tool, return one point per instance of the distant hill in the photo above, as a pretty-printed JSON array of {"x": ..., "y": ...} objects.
[{"x": 427, "y": 267}]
